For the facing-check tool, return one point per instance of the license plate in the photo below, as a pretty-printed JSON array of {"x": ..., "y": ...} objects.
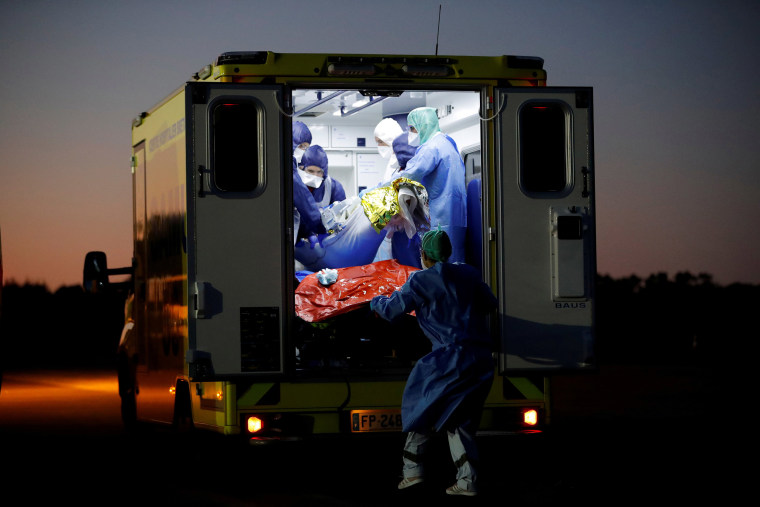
[{"x": 375, "y": 420}]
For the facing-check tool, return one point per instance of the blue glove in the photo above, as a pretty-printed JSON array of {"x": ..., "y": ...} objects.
[{"x": 327, "y": 276}]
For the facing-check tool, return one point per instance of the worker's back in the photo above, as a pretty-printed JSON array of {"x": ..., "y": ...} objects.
[{"x": 452, "y": 303}]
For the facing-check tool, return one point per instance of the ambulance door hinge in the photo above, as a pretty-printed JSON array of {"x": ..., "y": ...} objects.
[
  {"x": 585, "y": 171},
  {"x": 491, "y": 234}
]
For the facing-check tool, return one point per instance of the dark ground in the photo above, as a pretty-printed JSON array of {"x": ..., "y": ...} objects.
[
  {"x": 627, "y": 435},
  {"x": 679, "y": 432}
]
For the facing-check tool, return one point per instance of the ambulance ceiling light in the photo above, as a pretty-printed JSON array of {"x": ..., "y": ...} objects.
[
  {"x": 354, "y": 110},
  {"x": 321, "y": 100}
]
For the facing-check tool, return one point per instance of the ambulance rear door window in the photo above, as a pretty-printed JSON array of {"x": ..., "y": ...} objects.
[
  {"x": 236, "y": 146},
  {"x": 543, "y": 148}
]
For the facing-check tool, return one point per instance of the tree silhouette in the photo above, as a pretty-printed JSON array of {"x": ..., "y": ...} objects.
[
  {"x": 65, "y": 329},
  {"x": 657, "y": 320}
]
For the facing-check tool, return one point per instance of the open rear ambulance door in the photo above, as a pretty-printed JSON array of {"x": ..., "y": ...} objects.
[
  {"x": 546, "y": 241},
  {"x": 237, "y": 263}
]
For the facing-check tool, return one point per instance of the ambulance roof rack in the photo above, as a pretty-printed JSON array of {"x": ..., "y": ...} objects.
[
  {"x": 260, "y": 57},
  {"x": 257, "y": 65}
]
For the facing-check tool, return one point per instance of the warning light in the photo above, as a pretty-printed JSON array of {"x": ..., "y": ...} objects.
[
  {"x": 255, "y": 424},
  {"x": 530, "y": 417},
  {"x": 219, "y": 395}
]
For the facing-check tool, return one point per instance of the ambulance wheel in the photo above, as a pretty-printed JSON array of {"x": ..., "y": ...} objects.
[
  {"x": 129, "y": 409},
  {"x": 183, "y": 412},
  {"x": 127, "y": 391}
]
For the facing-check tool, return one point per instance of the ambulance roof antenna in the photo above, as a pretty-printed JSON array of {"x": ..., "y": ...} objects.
[{"x": 439, "y": 30}]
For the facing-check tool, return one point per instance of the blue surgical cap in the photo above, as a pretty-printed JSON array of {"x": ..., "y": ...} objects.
[
  {"x": 315, "y": 155},
  {"x": 301, "y": 134}
]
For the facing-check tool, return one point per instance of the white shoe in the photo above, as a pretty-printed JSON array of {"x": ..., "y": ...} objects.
[
  {"x": 409, "y": 481},
  {"x": 456, "y": 490}
]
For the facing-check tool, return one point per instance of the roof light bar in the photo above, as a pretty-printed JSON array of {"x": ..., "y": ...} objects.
[
  {"x": 525, "y": 62},
  {"x": 241, "y": 58},
  {"x": 349, "y": 70},
  {"x": 426, "y": 70}
]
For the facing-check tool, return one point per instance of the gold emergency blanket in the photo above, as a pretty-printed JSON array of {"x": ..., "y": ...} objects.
[{"x": 382, "y": 204}]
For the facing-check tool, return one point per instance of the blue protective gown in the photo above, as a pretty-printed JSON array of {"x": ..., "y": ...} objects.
[
  {"x": 402, "y": 150},
  {"x": 315, "y": 155},
  {"x": 310, "y": 217},
  {"x": 337, "y": 192},
  {"x": 447, "y": 387},
  {"x": 439, "y": 167}
]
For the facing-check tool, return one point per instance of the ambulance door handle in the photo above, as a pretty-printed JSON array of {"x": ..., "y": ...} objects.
[
  {"x": 201, "y": 171},
  {"x": 199, "y": 296}
]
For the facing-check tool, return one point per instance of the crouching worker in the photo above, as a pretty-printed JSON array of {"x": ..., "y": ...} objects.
[{"x": 447, "y": 387}]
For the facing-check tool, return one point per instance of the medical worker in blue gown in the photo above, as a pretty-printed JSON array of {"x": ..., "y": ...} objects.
[
  {"x": 308, "y": 219},
  {"x": 404, "y": 249},
  {"x": 438, "y": 165},
  {"x": 403, "y": 152},
  {"x": 447, "y": 387},
  {"x": 400, "y": 247},
  {"x": 324, "y": 189}
]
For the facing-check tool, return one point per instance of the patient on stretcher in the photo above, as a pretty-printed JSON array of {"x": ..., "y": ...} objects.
[{"x": 357, "y": 226}]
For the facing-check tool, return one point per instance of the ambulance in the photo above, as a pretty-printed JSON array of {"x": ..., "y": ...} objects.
[{"x": 212, "y": 337}]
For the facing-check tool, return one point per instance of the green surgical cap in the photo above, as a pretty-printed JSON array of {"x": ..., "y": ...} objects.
[
  {"x": 436, "y": 245},
  {"x": 425, "y": 120}
]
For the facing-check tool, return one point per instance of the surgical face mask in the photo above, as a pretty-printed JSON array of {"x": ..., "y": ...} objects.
[
  {"x": 414, "y": 138},
  {"x": 310, "y": 180},
  {"x": 385, "y": 151},
  {"x": 298, "y": 154}
]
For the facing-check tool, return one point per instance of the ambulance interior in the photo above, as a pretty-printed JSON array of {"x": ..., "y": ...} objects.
[{"x": 342, "y": 122}]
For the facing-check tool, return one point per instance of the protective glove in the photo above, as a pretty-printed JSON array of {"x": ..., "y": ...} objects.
[{"x": 327, "y": 276}]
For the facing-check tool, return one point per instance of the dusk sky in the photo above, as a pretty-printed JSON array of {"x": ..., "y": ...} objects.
[{"x": 676, "y": 98}]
